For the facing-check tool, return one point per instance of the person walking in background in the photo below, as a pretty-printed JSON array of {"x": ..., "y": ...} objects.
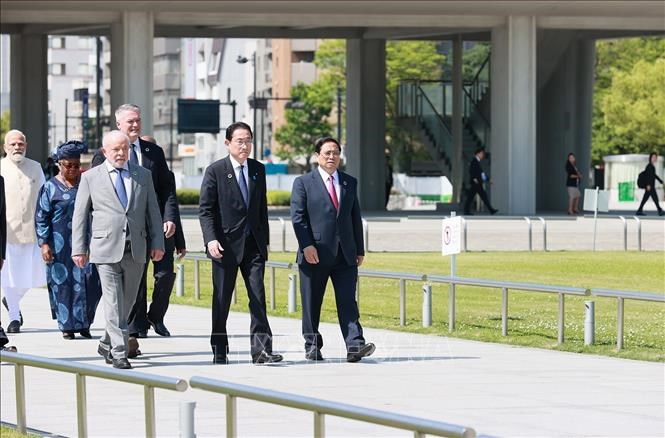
[
  {"x": 4, "y": 340},
  {"x": 73, "y": 292},
  {"x": 24, "y": 268},
  {"x": 125, "y": 227},
  {"x": 477, "y": 178},
  {"x": 327, "y": 222},
  {"x": 233, "y": 212},
  {"x": 650, "y": 178},
  {"x": 150, "y": 156},
  {"x": 572, "y": 184}
]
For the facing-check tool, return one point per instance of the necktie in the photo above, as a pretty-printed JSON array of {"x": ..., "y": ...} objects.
[
  {"x": 120, "y": 188},
  {"x": 243, "y": 186},
  {"x": 333, "y": 192},
  {"x": 133, "y": 157}
]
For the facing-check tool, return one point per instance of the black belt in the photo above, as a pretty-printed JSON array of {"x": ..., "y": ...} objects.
[{"x": 128, "y": 245}]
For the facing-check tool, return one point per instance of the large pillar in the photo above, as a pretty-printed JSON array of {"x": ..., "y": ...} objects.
[
  {"x": 131, "y": 63},
  {"x": 366, "y": 119},
  {"x": 458, "y": 133},
  {"x": 29, "y": 92},
  {"x": 514, "y": 116}
]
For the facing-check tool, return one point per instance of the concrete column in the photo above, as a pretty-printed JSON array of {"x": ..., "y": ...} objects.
[
  {"x": 365, "y": 119},
  {"x": 132, "y": 62},
  {"x": 29, "y": 92},
  {"x": 458, "y": 129},
  {"x": 514, "y": 116}
]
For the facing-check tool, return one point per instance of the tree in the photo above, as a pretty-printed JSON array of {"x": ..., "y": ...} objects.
[
  {"x": 635, "y": 107},
  {"x": 612, "y": 58},
  {"x": 5, "y": 120}
]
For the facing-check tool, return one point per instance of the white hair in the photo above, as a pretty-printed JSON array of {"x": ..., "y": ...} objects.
[
  {"x": 114, "y": 135},
  {"x": 13, "y": 132},
  {"x": 126, "y": 107}
]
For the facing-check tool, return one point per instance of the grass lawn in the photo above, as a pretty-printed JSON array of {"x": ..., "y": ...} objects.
[
  {"x": 8, "y": 432},
  {"x": 532, "y": 315}
]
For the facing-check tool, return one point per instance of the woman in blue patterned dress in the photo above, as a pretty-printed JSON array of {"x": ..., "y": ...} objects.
[{"x": 73, "y": 292}]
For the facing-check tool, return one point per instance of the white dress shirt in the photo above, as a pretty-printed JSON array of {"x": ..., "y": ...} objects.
[
  {"x": 236, "y": 169},
  {"x": 125, "y": 178},
  {"x": 137, "y": 147},
  {"x": 325, "y": 175}
]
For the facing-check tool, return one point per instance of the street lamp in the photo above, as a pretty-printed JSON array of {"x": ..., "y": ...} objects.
[{"x": 243, "y": 60}]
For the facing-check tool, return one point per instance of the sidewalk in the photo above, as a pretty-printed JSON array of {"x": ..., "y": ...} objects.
[{"x": 496, "y": 389}]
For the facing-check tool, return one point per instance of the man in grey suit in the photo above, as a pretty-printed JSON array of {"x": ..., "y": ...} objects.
[{"x": 116, "y": 217}]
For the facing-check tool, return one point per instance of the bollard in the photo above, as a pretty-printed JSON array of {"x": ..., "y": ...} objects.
[
  {"x": 589, "y": 323},
  {"x": 639, "y": 233},
  {"x": 366, "y": 234},
  {"x": 283, "y": 227},
  {"x": 292, "y": 293},
  {"x": 542, "y": 221},
  {"x": 625, "y": 233},
  {"x": 180, "y": 280},
  {"x": 464, "y": 249},
  {"x": 528, "y": 221},
  {"x": 187, "y": 419},
  {"x": 427, "y": 305}
]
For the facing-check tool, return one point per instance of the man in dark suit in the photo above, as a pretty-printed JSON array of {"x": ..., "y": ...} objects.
[
  {"x": 326, "y": 219},
  {"x": 476, "y": 179},
  {"x": 4, "y": 340},
  {"x": 233, "y": 213},
  {"x": 150, "y": 156}
]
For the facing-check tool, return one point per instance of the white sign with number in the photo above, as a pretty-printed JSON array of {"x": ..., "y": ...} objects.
[{"x": 451, "y": 236}]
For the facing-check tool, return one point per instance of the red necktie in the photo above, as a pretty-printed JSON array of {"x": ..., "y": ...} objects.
[{"x": 333, "y": 193}]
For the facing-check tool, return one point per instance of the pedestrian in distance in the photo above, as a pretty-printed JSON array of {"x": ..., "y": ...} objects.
[
  {"x": 23, "y": 268},
  {"x": 476, "y": 180},
  {"x": 73, "y": 292},
  {"x": 125, "y": 227},
  {"x": 573, "y": 179},
  {"x": 233, "y": 213},
  {"x": 649, "y": 178},
  {"x": 327, "y": 221}
]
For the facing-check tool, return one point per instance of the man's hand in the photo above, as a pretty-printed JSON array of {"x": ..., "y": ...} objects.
[
  {"x": 156, "y": 255},
  {"x": 359, "y": 260},
  {"x": 215, "y": 249},
  {"x": 311, "y": 255},
  {"x": 80, "y": 260},
  {"x": 648, "y": 188},
  {"x": 182, "y": 252},
  {"x": 47, "y": 254},
  {"x": 169, "y": 229}
]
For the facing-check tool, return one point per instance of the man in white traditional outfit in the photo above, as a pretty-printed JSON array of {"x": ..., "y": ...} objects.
[{"x": 23, "y": 268}]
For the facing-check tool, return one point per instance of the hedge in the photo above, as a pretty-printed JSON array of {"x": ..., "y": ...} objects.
[{"x": 275, "y": 197}]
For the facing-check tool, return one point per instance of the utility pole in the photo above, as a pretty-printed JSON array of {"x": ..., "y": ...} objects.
[{"x": 98, "y": 125}]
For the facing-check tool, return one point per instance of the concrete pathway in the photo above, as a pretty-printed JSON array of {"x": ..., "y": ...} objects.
[{"x": 496, "y": 389}]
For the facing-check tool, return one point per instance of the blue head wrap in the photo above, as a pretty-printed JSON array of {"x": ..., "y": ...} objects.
[{"x": 71, "y": 149}]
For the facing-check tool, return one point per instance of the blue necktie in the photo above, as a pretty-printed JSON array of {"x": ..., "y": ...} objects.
[
  {"x": 120, "y": 188},
  {"x": 243, "y": 187},
  {"x": 133, "y": 157}
]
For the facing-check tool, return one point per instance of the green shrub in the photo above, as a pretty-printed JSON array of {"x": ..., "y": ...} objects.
[
  {"x": 279, "y": 197},
  {"x": 187, "y": 196}
]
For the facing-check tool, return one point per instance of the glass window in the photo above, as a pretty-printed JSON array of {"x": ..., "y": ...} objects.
[{"x": 57, "y": 69}]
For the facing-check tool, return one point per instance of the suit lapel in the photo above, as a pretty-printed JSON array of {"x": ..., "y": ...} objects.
[
  {"x": 343, "y": 190},
  {"x": 251, "y": 176},
  {"x": 133, "y": 175},
  {"x": 231, "y": 180},
  {"x": 145, "y": 155},
  {"x": 322, "y": 186}
]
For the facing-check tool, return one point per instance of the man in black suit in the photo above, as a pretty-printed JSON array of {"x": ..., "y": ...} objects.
[
  {"x": 4, "y": 340},
  {"x": 476, "y": 178},
  {"x": 326, "y": 219},
  {"x": 233, "y": 213},
  {"x": 150, "y": 156}
]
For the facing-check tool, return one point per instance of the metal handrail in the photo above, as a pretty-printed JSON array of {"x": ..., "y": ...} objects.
[
  {"x": 149, "y": 382},
  {"x": 533, "y": 287},
  {"x": 320, "y": 408}
]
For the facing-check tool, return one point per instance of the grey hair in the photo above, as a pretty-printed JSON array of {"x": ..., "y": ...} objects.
[
  {"x": 126, "y": 107},
  {"x": 111, "y": 135},
  {"x": 12, "y": 132}
]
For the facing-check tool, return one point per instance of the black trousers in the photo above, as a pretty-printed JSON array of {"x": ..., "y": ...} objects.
[
  {"x": 471, "y": 195},
  {"x": 252, "y": 268},
  {"x": 650, "y": 194},
  {"x": 161, "y": 293},
  {"x": 313, "y": 282}
]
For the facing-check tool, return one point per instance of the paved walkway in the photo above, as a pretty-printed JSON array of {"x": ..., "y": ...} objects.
[{"x": 497, "y": 389}]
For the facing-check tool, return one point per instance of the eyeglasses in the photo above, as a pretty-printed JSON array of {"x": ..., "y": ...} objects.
[
  {"x": 242, "y": 143},
  {"x": 329, "y": 154},
  {"x": 71, "y": 165}
]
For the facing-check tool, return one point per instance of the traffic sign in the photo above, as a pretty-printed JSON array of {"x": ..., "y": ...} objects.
[{"x": 451, "y": 236}]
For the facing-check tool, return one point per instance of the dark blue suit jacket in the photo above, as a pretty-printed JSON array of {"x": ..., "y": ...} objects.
[{"x": 316, "y": 222}]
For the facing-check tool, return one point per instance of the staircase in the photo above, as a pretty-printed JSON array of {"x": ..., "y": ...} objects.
[{"x": 425, "y": 109}]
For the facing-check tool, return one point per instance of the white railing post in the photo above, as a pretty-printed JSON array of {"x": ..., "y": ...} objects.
[
  {"x": 231, "y": 430},
  {"x": 19, "y": 379},
  {"x": 402, "y": 302},
  {"x": 528, "y": 222},
  {"x": 273, "y": 304},
  {"x": 619, "y": 323},
  {"x": 625, "y": 233},
  {"x": 197, "y": 280},
  {"x": 292, "y": 293},
  {"x": 366, "y": 234},
  {"x": 283, "y": 229},
  {"x": 187, "y": 421},
  {"x": 427, "y": 305},
  {"x": 639, "y": 233},
  {"x": 180, "y": 280},
  {"x": 544, "y": 222},
  {"x": 561, "y": 318},
  {"x": 149, "y": 396},
  {"x": 319, "y": 425},
  {"x": 81, "y": 406},
  {"x": 504, "y": 311}
]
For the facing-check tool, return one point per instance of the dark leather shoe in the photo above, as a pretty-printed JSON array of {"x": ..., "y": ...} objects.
[
  {"x": 142, "y": 334},
  {"x": 314, "y": 355},
  {"x": 133, "y": 348},
  {"x": 218, "y": 359},
  {"x": 265, "y": 357},
  {"x": 494, "y": 211},
  {"x": 14, "y": 327},
  {"x": 159, "y": 328},
  {"x": 640, "y": 213},
  {"x": 106, "y": 354},
  {"x": 363, "y": 351},
  {"x": 121, "y": 364},
  {"x": 85, "y": 333},
  {"x": 68, "y": 335},
  {"x": 20, "y": 315}
]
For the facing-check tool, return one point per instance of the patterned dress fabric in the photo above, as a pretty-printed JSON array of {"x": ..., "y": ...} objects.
[{"x": 73, "y": 292}]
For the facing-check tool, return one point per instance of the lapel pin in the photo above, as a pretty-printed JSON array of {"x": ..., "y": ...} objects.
[
  {"x": 344, "y": 183},
  {"x": 229, "y": 176},
  {"x": 147, "y": 149}
]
